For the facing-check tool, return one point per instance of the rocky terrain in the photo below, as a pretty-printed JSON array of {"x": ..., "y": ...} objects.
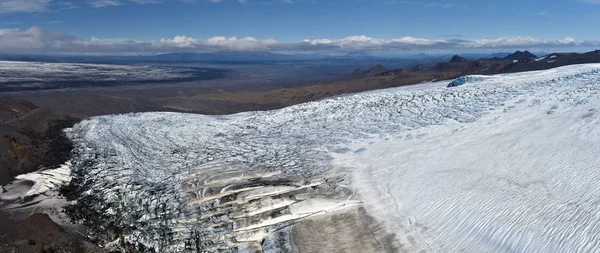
[
  {"x": 31, "y": 137},
  {"x": 38, "y": 233}
]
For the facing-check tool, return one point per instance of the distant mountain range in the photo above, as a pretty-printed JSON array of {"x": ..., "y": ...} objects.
[
  {"x": 518, "y": 61},
  {"x": 230, "y": 56},
  {"x": 374, "y": 71},
  {"x": 520, "y": 56},
  {"x": 487, "y": 64},
  {"x": 222, "y": 56},
  {"x": 458, "y": 58},
  {"x": 358, "y": 54}
]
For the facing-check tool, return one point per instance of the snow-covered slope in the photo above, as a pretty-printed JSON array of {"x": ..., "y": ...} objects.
[
  {"x": 506, "y": 164},
  {"x": 36, "y": 192}
]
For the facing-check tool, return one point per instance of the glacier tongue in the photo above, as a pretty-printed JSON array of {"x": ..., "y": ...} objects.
[{"x": 508, "y": 164}]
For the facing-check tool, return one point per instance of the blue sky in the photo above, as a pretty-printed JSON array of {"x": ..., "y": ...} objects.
[{"x": 539, "y": 23}]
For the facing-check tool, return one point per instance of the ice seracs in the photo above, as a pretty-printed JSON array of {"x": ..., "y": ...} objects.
[{"x": 504, "y": 164}]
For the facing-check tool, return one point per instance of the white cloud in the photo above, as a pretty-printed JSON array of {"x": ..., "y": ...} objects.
[
  {"x": 146, "y": 1},
  {"x": 66, "y": 5},
  {"x": 410, "y": 43},
  {"x": 33, "y": 39},
  {"x": 36, "y": 40},
  {"x": 13, "y": 6},
  {"x": 521, "y": 42},
  {"x": 104, "y": 3},
  {"x": 429, "y": 4},
  {"x": 8, "y": 6}
]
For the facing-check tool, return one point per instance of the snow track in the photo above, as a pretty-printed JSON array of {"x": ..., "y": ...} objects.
[{"x": 506, "y": 164}]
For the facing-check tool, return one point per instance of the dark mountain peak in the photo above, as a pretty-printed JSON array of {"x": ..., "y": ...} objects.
[
  {"x": 594, "y": 53},
  {"x": 358, "y": 73},
  {"x": 377, "y": 67},
  {"x": 520, "y": 55},
  {"x": 376, "y": 70},
  {"x": 419, "y": 67},
  {"x": 373, "y": 71},
  {"x": 458, "y": 58},
  {"x": 393, "y": 72}
]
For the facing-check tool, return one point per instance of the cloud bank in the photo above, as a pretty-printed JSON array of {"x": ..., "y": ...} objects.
[
  {"x": 37, "y": 40},
  {"x": 8, "y": 6},
  {"x": 34, "y": 6}
]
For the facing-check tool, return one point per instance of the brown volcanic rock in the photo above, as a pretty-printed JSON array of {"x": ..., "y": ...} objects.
[
  {"x": 480, "y": 66},
  {"x": 419, "y": 68},
  {"x": 31, "y": 142},
  {"x": 42, "y": 222},
  {"x": 30, "y": 137},
  {"x": 38, "y": 233},
  {"x": 454, "y": 66},
  {"x": 393, "y": 72},
  {"x": 14, "y": 108},
  {"x": 376, "y": 70},
  {"x": 359, "y": 73},
  {"x": 373, "y": 71}
]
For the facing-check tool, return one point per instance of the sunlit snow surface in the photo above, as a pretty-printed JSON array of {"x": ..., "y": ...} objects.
[{"x": 505, "y": 164}]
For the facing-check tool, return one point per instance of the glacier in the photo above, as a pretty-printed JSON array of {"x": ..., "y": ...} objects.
[
  {"x": 19, "y": 76},
  {"x": 504, "y": 164}
]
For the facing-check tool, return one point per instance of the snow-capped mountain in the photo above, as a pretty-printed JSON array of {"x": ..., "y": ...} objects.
[{"x": 506, "y": 163}]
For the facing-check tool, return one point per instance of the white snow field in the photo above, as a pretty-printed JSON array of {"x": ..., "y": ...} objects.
[
  {"x": 40, "y": 72},
  {"x": 17, "y": 76},
  {"x": 507, "y": 163},
  {"x": 37, "y": 192}
]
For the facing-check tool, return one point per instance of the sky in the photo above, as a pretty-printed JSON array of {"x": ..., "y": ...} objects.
[{"x": 306, "y": 26}]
